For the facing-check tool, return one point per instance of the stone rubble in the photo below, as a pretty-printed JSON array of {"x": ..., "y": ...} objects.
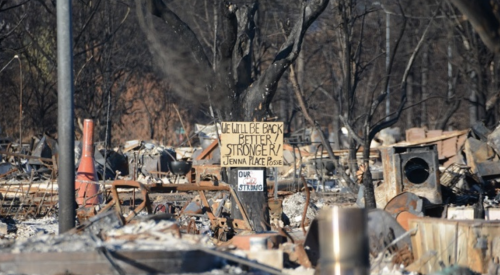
[
  {"x": 145, "y": 235},
  {"x": 293, "y": 208},
  {"x": 25, "y": 229}
]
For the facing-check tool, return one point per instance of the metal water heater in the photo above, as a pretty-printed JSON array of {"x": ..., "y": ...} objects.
[{"x": 412, "y": 169}]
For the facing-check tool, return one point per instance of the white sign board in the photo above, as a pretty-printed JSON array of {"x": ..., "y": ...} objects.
[
  {"x": 250, "y": 180},
  {"x": 252, "y": 144}
]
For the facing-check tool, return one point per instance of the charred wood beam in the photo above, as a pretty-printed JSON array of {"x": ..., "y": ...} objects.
[{"x": 256, "y": 99}]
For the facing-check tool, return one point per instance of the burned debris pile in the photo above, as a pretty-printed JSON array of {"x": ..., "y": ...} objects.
[{"x": 436, "y": 193}]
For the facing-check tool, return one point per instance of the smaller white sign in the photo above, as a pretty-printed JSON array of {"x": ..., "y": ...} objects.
[{"x": 250, "y": 180}]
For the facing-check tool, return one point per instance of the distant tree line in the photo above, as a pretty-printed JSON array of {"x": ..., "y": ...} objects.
[{"x": 347, "y": 63}]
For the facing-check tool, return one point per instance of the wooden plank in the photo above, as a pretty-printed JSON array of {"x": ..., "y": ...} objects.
[
  {"x": 461, "y": 254},
  {"x": 481, "y": 240},
  {"x": 374, "y": 152},
  {"x": 416, "y": 240},
  {"x": 449, "y": 148},
  {"x": 414, "y": 134},
  {"x": 474, "y": 256},
  {"x": 432, "y": 140},
  {"x": 447, "y": 245},
  {"x": 430, "y": 243},
  {"x": 434, "y": 134},
  {"x": 207, "y": 153},
  {"x": 471, "y": 243}
]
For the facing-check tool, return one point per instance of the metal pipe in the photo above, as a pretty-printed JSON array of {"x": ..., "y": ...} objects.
[
  {"x": 276, "y": 180},
  {"x": 20, "y": 104},
  {"x": 65, "y": 117},
  {"x": 344, "y": 241},
  {"x": 194, "y": 187},
  {"x": 387, "y": 62}
]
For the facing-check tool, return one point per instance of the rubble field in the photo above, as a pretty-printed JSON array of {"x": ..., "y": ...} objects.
[{"x": 153, "y": 209}]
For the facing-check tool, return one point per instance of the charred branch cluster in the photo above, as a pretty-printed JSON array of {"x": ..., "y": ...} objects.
[{"x": 237, "y": 88}]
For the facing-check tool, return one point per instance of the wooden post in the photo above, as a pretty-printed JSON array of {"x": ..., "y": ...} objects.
[{"x": 254, "y": 202}]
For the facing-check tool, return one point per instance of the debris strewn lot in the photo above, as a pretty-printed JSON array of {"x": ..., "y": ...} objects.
[{"x": 438, "y": 196}]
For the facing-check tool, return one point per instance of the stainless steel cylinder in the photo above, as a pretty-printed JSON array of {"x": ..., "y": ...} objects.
[{"x": 343, "y": 241}]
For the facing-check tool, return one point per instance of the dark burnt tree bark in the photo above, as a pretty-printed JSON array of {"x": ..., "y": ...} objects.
[
  {"x": 234, "y": 89},
  {"x": 484, "y": 15}
]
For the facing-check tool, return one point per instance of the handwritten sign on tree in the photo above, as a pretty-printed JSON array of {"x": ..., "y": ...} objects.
[{"x": 252, "y": 144}]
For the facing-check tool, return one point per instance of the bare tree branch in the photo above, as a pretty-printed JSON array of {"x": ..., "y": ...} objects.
[
  {"x": 485, "y": 18},
  {"x": 159, "y": 8},
  {"x": 383, "y": 94},
  {"x": 266, "y": 85},
  {"x": 384, "y": 124}
]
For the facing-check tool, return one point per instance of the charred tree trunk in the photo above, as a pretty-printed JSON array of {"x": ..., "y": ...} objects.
[
  {"x": 369, "y": 195},
  {"x": 424, "y": 121},
  {"x": 369, "y": 130},
  {"x": 256, "y": 99},
  {"x": 236, "y": 95}
]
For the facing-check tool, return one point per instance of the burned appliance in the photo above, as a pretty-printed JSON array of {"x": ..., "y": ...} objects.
[{"x": 413, "y": 169}]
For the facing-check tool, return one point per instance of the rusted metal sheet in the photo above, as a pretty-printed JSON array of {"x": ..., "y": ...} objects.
[
  {"x": 404, "y": 217},
  {"x": 193, "y": 208},
  {"x": 391, "y": 185},
  {"x": 115, "y": 201},
  {"x": 474, "y": 243},
  {"x": 407, "y": 202},
  {"x": 220, "y": 226},
  {"x": 272, "y": 240}
]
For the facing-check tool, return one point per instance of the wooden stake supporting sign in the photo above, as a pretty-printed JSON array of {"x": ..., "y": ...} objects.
[{"x": 252, "y": 144}]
